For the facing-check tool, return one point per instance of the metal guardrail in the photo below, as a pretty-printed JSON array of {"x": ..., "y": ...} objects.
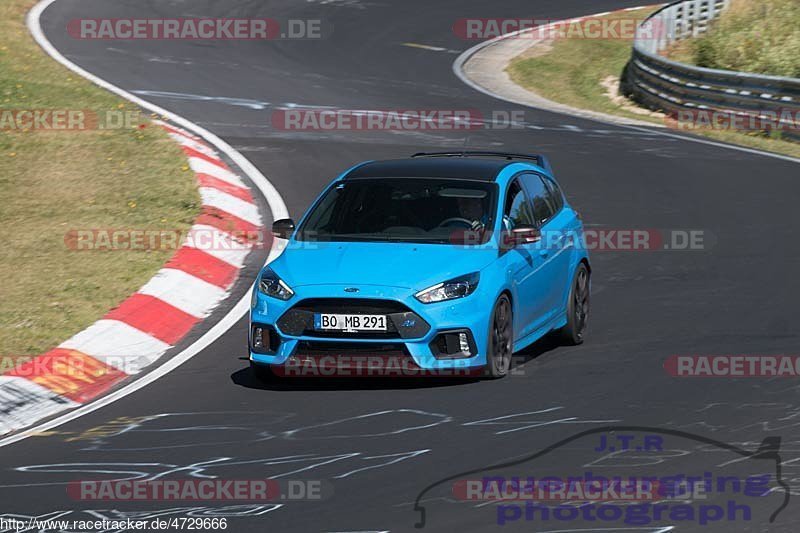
[{"x": 675, "y": 88}]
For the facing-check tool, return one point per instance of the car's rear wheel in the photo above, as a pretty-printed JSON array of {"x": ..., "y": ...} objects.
[
  {"x": 501, "y": 339},
  {"x": 261, "y": 372},
  {"x": 577, "y": 308}
]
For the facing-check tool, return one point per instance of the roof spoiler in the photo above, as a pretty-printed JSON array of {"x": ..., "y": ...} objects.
[{"x": 541, "y": 160}]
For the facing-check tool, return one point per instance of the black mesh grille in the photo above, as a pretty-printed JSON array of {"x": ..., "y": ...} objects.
[
  {"x": 364, "y": 306},
  {"x": 401, "y": 321},
  {"x": 327, "y": 349}
]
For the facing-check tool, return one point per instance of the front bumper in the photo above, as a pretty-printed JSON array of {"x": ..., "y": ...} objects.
[{"x": 414, "y": 336}]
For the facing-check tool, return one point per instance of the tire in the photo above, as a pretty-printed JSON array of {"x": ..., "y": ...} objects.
[
  {"x": 573, "y": 332},
  {"x": 500, "y": 343},
  {"x": 262, "y": 372}
]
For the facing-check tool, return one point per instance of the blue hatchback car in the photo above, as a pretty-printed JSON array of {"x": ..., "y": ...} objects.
[{"x": 450, "y": 261}]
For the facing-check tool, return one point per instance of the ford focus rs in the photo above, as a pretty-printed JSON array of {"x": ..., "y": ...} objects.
[{"x": 445, "y": 260}]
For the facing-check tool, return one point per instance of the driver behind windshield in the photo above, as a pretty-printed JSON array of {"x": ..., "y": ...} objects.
[{"x": 472, "y": 209}]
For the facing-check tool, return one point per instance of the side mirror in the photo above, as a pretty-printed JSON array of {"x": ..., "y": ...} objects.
[
  {"x": 283, "y": 228},
  {"x": 525, "y": 234},
  {"x": 521, "y": 235}
]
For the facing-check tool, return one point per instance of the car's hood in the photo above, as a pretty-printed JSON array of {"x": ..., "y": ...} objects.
[{"x": 413, "y": 266}]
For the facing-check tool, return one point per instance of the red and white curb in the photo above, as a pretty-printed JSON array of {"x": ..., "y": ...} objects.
[{"x": 141, "y": 329}]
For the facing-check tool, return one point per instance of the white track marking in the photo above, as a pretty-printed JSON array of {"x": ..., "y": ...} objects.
[
  {"x": 218, "y": 244},
  {"x": 188, "y": 293},
  {"x": 425, "y": 47},
  {"x": 113, "y": 342},
  {"x": 241, "y": 102},
  {"x": 191, "y": 143},
  {"x": 230, "y": 204},
  {"x": 201, "y": 166},
  {"x": 273, "y": 198},
  {"x": 33, "y": 402},
  {"x": 430, "y": 47}
]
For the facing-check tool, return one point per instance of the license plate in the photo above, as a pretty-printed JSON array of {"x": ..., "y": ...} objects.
[{"x": 331, "y": 322}]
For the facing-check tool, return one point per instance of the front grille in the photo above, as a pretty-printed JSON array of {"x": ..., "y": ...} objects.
[
  {"x": 364, "y": 306},
  {"x": 401, "y": 321}
]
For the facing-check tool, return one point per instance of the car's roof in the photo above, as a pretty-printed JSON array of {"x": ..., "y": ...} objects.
[{"x": 483, "y": 169}]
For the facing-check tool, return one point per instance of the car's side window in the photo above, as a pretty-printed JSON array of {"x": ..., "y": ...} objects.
[
  {"x": 516, "y": 209},
  {"x": 556, "y": 196},
  {"x": 539, "y": 198}
]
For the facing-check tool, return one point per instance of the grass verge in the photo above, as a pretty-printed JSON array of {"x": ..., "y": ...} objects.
[
  {"x": 132, "y": 177},
  {"x": 760, "y": 37},
  {"x": 584, "y": 73}
]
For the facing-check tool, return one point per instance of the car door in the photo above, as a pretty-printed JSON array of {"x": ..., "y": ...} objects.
[
  {"x": 549, "y": 253},
  {"x": 568, "y": 226},
  {"x": 523, "y": 265}
]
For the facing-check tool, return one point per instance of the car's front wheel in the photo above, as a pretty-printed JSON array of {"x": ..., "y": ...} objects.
[
  {"x": 577, "y": 308},
  {"x": 501, "y": 339}
]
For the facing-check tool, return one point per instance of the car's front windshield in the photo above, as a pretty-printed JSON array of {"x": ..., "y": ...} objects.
[{"x": 424, "y": 210}]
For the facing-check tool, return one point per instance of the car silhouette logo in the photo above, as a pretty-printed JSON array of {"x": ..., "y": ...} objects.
[{"x": 351, "y": 289}]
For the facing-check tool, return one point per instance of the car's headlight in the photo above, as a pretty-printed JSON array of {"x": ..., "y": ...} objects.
[
  {"x": 450, "y": 290},
  {"x": 270, "y": 284}
]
